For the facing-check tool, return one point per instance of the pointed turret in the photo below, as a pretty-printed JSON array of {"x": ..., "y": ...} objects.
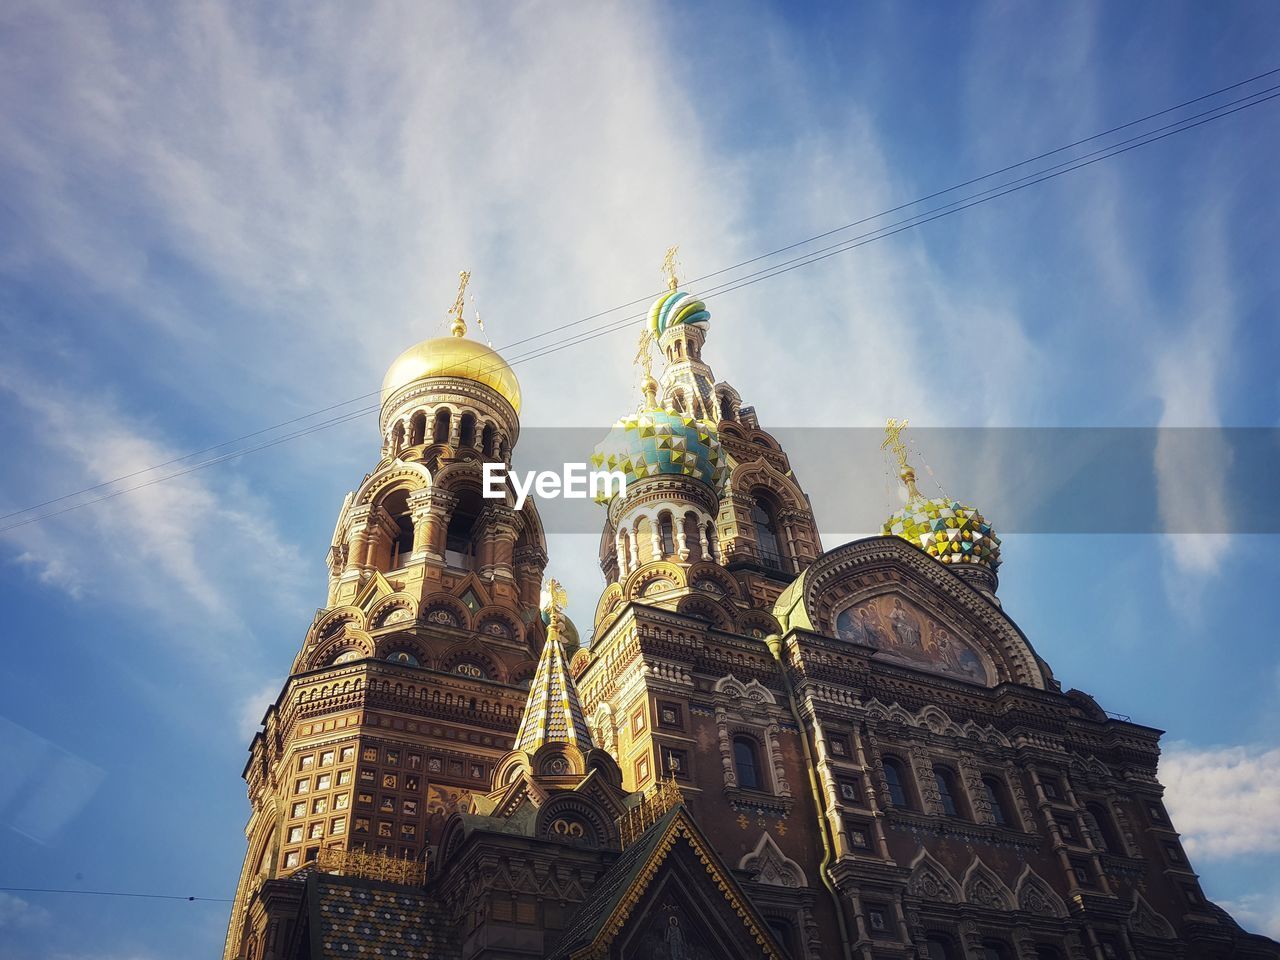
[{"x": 553, "y": 713}]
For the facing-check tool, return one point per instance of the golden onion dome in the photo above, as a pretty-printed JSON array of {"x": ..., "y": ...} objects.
[{"x": 454, "y": 356}]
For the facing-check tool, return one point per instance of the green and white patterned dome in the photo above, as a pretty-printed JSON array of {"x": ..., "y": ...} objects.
[
  {"x": 655, "y": 441},
  {"x": 944, "y": 528},
  {"x": 674, "y": 308}
]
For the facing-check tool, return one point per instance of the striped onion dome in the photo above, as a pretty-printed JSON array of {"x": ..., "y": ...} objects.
[{"x": 676, "y": 307}]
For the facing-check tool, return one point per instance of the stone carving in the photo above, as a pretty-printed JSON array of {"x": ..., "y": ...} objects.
[
  {"x": 931, "y": 881},
  {"x": 1034, "y": 895},
  {"x": 768, "y": 864},
  {"x": 984, "y": 889},
  {"x": 1146, "y": 920}
]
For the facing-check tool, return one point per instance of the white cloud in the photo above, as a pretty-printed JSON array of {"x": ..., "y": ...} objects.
[
  {"x": 19, "y": 914},
  {"x": 1224, "y": 799},
  {"x": 253, "y": 706},
  {"x": 1256, "y": 912}
]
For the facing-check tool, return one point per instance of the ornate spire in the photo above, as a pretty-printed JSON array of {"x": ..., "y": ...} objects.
[
  {"x": 459, "y": 325},
  {"x": 893, "y": 441},
  {"x": 669, "y": 263},
  {"x": 553, "y": 713},
  {"x": 644, "y": 361}
]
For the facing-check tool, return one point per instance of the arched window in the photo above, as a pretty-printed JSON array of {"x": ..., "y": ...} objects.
[
  {"x": 397, "y": 505},
  {"x": 417, "y": 428},
  {"x": 746, "y": 763},
  {"x": 397, "y": 435},
  {"x": 948, "y": 792},
  {"x": 440, "y": 428},
  {"x": 762, "y": 516},
  {"x": 459, "y": 551},
  {"x": 467, "y": 431},
  {"x": 1107, "y": 837},
  {"x": 939, "y": 948},
  {"x": 895, "y": 776},
  {"x": 995, "y": 792},
  {"x": 712, "y": 544},
  {"x": 667, "y": 532},
  {"x": 486, "y": 439},
  {"x": 994, "y": 950}
]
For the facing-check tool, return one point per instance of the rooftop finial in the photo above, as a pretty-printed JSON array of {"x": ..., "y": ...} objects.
[
  {"x": 893, "y": 441},
  {"x": 553, "y": 604},
  {"x": 644, "y": 360},
  {"x": 669, "y": 263},
  {"x": 459, "y": 325}
]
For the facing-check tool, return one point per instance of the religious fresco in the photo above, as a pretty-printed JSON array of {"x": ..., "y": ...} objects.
[
  {"x": 668, "y": 935},
  {"x": 905, "y": 633}
]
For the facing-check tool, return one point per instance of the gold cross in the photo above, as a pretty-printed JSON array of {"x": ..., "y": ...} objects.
[
  {"x": 893, "y": 439},
  {"x": 553, "y": 600},
  {"x": 459, "y": 326},
  {"x": 669, "y": 267}
]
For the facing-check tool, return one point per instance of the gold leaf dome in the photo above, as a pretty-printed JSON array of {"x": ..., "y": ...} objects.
[{"x": 453, "y": 357}]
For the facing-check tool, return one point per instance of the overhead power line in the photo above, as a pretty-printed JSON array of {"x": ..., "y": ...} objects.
[
  {"x": 116, "y": 893},
  {"x": 814, "y": 256}
]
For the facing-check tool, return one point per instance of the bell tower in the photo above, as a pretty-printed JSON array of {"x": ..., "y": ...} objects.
[{"x": 410, "y": 683}]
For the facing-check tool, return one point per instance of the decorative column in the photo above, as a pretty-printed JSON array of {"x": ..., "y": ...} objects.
[
  {"x": 620, "y": 545},
  {"x": 357, "y": 540},
  {"x": 922, "y": 764},
  {"x": 419, "y": 512},
  {"x": 972, "y": 778},
  {"x": 439, "y": 505},
  {"x": 682, "y": 543},
  {"x": 500, "y": 526}
]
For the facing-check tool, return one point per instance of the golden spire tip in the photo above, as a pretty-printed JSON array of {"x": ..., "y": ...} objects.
[
  {"x": 459, "y": 325},
  {"x": 669, "y": 263}
]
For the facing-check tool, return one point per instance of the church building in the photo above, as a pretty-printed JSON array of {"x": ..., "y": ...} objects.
[{"x": 765, "y": 750}]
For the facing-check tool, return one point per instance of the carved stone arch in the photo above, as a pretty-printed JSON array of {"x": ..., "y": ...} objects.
[
  {"x": 472, "y": 651},
  {"x": 493, "y": 621},
  {"x": 987, "y": 734},
  {"x": 935, "y": 719},
  {"x": 747, "y": 477},
  {"x": 758, "y": 624},
  {"x": 1146, "y": 920},
  {"x": 604, "y": 729},
  {"x": 641, "y": 579},
  {"x": 767, "y": 864},
  {"x": 349, "y": 639},
  {"x": 864, "y": 569},
  {"x": 983, "y": 888},
  {"x": 709, "y": 610},
  {"x": 337, "y": 620},
  {"x": 401, "y": 475},
  {"x": 523, "y": 672},
  {"x": 1034, "y": 895},
  {"x": 460, "y": 473},
  {"x": 572, "y": 808},
  {"x": 932, "y": 881},
  {"x": 751, "y": 690},
  {"x": 899, "y": 714},
  {"x": 397, "y": 608},
  {"x": 608, "y": 607},
  {"x": 402, "y": 643},
  {"x": 876, "y": 710},
  {"x": 434, "y": 607},
  {"x": 709, "y": 577},
  {"x": 729, "y": 428}
]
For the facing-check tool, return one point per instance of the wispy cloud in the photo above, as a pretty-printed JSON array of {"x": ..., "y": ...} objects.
[
  {"x": 1224, "y": 799},
  {"x": 19, "y": 914}
]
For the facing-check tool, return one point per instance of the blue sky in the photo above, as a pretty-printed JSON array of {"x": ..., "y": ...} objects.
[{"x": 217, "y": 219}]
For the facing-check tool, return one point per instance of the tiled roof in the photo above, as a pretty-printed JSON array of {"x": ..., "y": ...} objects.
[
  {"x": 352, "y": 918},
  {"x": 553, "y": 713}
]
